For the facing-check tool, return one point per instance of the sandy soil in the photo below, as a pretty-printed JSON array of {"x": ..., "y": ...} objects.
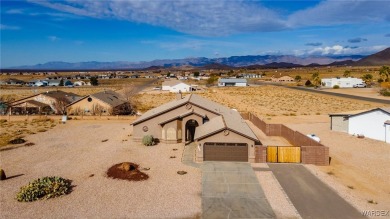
[
  {"x": 75, "y": 151},
  {"x": 359, "y": 168},
  {"x": 266, "y": 101},
  {"x": 267, "y": 140},
  {"x": 363, "y": 92}
]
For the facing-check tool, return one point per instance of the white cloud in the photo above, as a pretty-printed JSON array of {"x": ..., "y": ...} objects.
[
  {"x": 8, "y": 27},
  {"x": 53, "y": 38},
  {"x": 224, "y": 17},
  {"x": 15, "y": 11},
  {"x": 340, "y": 50}
]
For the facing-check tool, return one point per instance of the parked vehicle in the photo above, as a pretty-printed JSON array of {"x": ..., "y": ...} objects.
[{"x": 359, "y": 85}]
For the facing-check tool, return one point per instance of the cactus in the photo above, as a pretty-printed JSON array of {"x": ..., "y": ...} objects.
[
  {"x": 148, "y": 140},
  {"x": 2, "y": 175}
]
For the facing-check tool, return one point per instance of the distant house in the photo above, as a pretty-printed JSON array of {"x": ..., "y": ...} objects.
[
  {"x": 373, "y": 123},
  {"x": 102, "y": 103},
  {"x": 341, "y": 82},
  {"x": 175, "y": 86},
  {"x": 283, "y": 79},
  {"x": 68, "y": 83},
  {"x": 56, "y": 100},
  {"x": 53, "y": 83},
  {"x": 248, "y": 75},
  {"x": 79, "y": 83},
  {"x": 237, "y": 82},
  {"x": 13, "y": 81}
]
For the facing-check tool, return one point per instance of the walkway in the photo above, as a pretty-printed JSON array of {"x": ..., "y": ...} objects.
[
  {"x": 189, "y": 155},
  {"x": 231, "y": 190},
  {"x": 310, "y": 196}
]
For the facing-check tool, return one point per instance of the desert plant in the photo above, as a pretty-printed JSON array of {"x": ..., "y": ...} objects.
[
  {"x": 298, "y": 78},
  {"x": 336, "y": 87},
  {"x": 347, "y": 73},
  {"x": 17, "y": 141},
  {"x": 2, "y": 175},
  {"x": 148, "y": 140},
  {"x": 308, "y": 83},
  {"x": 46, "y": 187},
  {"x": 384, "y": 92},
  {"x": 384, "y": 72}
]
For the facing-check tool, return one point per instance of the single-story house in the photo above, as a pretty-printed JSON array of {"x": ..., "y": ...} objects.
[
  {"x": 220, "y": 133},
  {"x": 237, "y": 82},
  {"x": 67, "y": 83},
  {"x": 79, "y": 83},
  {"x": 341, "y": 82},
  {"x": 102, "y": 103},
  {"x": 370, "y": 123},
  {"x": 53, "y": 82},
  {"x": 13, "y": 81},
  {"x": 283, "y": 79},
  {"x": 30, "y": 107},
  {"x": 176, "y": 86},
  {"x": 57, "y": 100}
]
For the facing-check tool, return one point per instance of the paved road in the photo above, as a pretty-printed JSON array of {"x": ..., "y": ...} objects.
[
  {"x": 231, "y": 190},
  {"x": 374, "y": 100},
  {"x": 310, "y": 196}
]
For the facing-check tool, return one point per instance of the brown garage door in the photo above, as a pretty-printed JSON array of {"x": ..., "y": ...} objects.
[{"x": 225, "y": 152}]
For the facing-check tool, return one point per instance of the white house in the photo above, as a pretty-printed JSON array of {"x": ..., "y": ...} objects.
[
  {"x": 341, "y": 82},
  {"x": 238, "y": 82},
  {"x": 373, "y": 123},
  {"x": 176, "y": 86}
]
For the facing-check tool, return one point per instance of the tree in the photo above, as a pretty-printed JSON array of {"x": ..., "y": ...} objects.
[
  {"x": 196, "y": 74},
  {"x": 367, "y": 78},
  {"x": 347, "y": 73},
  {"x": 168, "y": 74},
  {"x": 298, "y": 78},
  {"x": 316, "y": 79},
  {"x": 94, "y": 81},
  {"x": 212, "y": 80},
  {"x": 61, "y": 82},
  {"x": 384, "y": 72},
  {"x": 60, "y": 105}
]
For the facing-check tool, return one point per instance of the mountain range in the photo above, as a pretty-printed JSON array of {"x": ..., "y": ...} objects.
[{"x": 250, "y": 61}]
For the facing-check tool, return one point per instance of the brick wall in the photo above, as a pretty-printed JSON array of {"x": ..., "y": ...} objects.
[
  {"x": 260, "y": 154},
  {"x": 317, "y": 155}
]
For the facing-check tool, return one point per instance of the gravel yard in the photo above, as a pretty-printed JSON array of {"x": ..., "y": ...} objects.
[{"x": 75, "y": 151}]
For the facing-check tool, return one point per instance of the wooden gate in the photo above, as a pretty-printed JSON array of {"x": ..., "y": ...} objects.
[{"x": 282, "y": 154}]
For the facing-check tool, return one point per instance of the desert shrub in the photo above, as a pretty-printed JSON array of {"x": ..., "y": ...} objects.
[
  {"x": 2, "y": 175},
  {"x": 44, "y": 188},
  {"x": 336, "y": 87},
  {"x": 148, "y": 140},
  {"x": 17, "y": 141},
  {"x": 3, "y": 121},
  {"x": 385, "y": 92},
  {"x": 380, "y": 80}
]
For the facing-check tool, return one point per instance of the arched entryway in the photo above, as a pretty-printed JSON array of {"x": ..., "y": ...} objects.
[{"x": 190, "y": 130}]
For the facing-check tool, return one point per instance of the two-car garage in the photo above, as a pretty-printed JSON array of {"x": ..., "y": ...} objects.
[{"x": 225, "y": 151}]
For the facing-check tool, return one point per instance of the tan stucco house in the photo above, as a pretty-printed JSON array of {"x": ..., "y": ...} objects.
[
  {"x": 219, "y": 133},
  {"x": 102, "y": 103},
  {"x": 47, "y": 102}
]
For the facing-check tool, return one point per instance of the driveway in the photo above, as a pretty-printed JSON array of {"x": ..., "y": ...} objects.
[
  {"x": 310, "y": 196},
  {"x": 231, "y": 190}
]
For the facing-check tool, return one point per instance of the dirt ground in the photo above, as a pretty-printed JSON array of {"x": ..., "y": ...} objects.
[
  {"x": 359, "y": 168},
  {"x": 363, "y": 92},
  {"x": 75, "y": 151},
  {"x": 266, "y": 101}
]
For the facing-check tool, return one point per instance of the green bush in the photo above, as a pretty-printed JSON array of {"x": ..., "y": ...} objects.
[
  {"x": 385, "y": 92},
  {"x": 336, "y": 87},
  {"x": 148, "y": 140},
  {"x": 44, "y": 188}
]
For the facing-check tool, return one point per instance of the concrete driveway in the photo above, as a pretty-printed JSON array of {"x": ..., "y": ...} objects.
[
  {"x": 310, "y": 196},
  {"x": 231, "y": 190}
]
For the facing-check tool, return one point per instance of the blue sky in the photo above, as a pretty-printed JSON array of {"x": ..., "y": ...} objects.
[{"x": 37, "y": 31}]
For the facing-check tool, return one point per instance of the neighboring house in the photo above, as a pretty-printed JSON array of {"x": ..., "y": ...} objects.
[
  {"x": 102, "y": 103},
  {"x": 176, "y": 86},
  {"x": 38, "y": 83},
  {"x": 13, "y": 81},
  {"x": 372, "y": 123},
  {"x": 79, "y": 83},
  {"x": 56, "y": 100},
  {"x": 237, "y": 82},
  {"x": 248, "y": 75},
  {"x": 341, "y": 82},
  {"x": 283, "y": 79},
  {"x": 68, "y": 83},
  {"x": 53, "y": 83},
  {"x": 219, "y": 133}
]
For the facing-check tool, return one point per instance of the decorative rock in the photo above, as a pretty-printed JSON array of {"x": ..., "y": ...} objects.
[{"x": 181, "y": 172}]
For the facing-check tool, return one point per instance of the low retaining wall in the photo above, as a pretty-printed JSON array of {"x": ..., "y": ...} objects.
[
  {"x": 312, "y": 152},
  {"x": 59, "y": 117}
]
